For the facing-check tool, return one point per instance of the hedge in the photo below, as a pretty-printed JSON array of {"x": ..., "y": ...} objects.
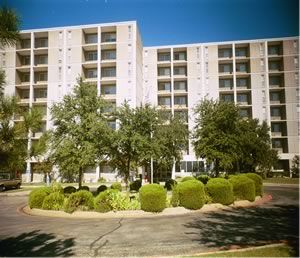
[
  {"x": 81, "y": 200},
  {"x": 69, "y": 189},
  {"x": 84, "y": 188},
  {"x": 258, "y": 181},
  {"x": 190, "y": 194},
  {"x": 220, "y": 190},
  {"x": 116, "y": 186},
  {"x": 135, "y": 185},
  {"x": 203, "y": 179},
  {"x": 243, "y": 187},
  {"x": 53, "y": 201},
  {"x": 153, "y": 198},
  {"x": 37, "y": 197},
  {"x": 102, "y": 203},
  {"x": 187, "y": 178},
  {"x": 101, "y": 188}
]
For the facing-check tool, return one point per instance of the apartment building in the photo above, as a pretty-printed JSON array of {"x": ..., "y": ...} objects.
[{"x": 262, "y": 76}]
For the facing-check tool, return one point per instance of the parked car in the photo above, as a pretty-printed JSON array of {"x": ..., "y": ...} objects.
[{"x": 9, "y": 180}]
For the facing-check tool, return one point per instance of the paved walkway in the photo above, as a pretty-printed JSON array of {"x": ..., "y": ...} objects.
[{"x": 23, "y": 235}]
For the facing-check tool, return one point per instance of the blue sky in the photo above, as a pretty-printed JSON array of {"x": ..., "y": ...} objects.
[{"x": 163, "y": 22}]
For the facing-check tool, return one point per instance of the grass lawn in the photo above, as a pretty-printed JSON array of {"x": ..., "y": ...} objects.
[
  {"x": 271, "y": 251},
  {"x": 282, "y": 180}
]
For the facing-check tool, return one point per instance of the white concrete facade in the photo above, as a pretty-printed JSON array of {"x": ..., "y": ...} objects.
[{"x": 262, "y": 76}]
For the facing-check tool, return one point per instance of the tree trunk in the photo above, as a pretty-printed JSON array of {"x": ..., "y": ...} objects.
[
  {"x": 80, "y": 178},
  {"x": 217, "y": 167}
]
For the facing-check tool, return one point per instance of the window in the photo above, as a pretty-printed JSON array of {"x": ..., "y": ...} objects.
[
  {"x": 24, "y": 94},
  {"x": 241, "y": 67},
  {"x": 164, "y": 57},
  {"x": 91, "y": 56},
  {"x": 41, "y": 77},
  {"x": 25, "y": 60},
  {"x": 225, "y": 53},
  {"x": 183, "y": 166},
  {"x": 242, "y": 98},
  {"x": 180, "y": 100},
  {"x": 179, "y": 70},
  {"x": 106, "y": 169},
  {"x": 241, "y": 82},
  {"x": 60, "y": 35},
  {"x": 25, "y": 43},
  {"x": 181, "y": 115},
  {"x": 108, "y": 89},
  {"x": 261, "y": 49},
  {"x": 276, "y": 127},
  {"x": 276, "y": 112},
  {"x": 226, "y": 83},
  {"x": 69, "y": 34},
  {"x": 109, "y": 37},
  {"x": 91, "y": 38},
  {"x": 276, "y": 143},
  {"x": 91, "y": 73},
  {"x": 109, "y": 55},
  {"x": 164, "y": 71},
  {"x": 274, "y": 50},
  {"x": 274, "y": 96},
  {"x": 108, "y": 72},
  {"x": 180, "y": 56},
  {"x": 25, "y": 77},
  {"x": 275, "y": 65},
  {"x": 227, "y": 97},
  {"x": 241, "y": 52},
  {"x": 164, "y": 86},
  {"x": 180, "y": 85},
  {"x": 225, "y": 68},
  {"x": 42, "y": 59},
  {"x": 275, "y": 80},
  {"x": 244, "y": 112},
  {"x": 41, "y": 42},
  {"x": 164, "y": 101},
  {"x": 40, "y": 93}
]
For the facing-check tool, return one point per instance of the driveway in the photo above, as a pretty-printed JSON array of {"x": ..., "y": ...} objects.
[{"x": 24, "y": 235}]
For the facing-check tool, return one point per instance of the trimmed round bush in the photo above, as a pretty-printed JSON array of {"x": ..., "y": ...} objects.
[
  {"x": 187, "y": 178},
  {"x": 135, "y": 185},
  {"x": 243, "y": 187},
  {"x": 116, "y": 186},
  {"x": 170, "y": 183},
  {"x": 220, "y": 190},
  {"x": 69, "y": 189},
  {"x": 56, "y": 187},
  {"x": 258, "y": 181},
  {"x": 153, "y": 198},
  {"x": 84, "y": 188},
  {"x": 53, "y": 201},
  {"x": 191, "y": 194},
  {"x": 203, "y": 179},
  {"x": 81, "y": 200},
  {"x": 102, "y": 203},
  {"x": 101, "y": 188},
  {"x": 37, "y": 197}
]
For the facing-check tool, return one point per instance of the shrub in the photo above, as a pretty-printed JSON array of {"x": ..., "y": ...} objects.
[
  {"x": 101, "y": 188},
  {"x": 258, "y": 181},
  {"x": 135, "y": 185},
  {"x": 84, "y": 188},
  {"x": 175, "y": 196},
  {"x": 81, "y": 200},
  {"x": 102, "y": 202},
  {"x": 191, "y": 194},
  {"x": 69, "y": 189},
  {"x": 187, "y": 178},
  {"x": 243, "y": 187},
  {"x": 153, "y": 198},
  {"x": 169, "y": 184},
  {"x": 53, "y": 201},
  {"x": 116, "y": 186},
  {"x": 57, "y": 188},
  {"x": 37, "y": 197},
  {"x": 101, "y": 180},
  {"x": 220, "y": 190},
  {"x": 203, "y": 179}
]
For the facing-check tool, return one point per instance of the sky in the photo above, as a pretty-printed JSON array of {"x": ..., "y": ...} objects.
[{"x": 166, "y": 22}]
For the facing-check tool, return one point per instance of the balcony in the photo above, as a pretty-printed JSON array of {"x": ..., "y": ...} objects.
[
  {"x": 277, "y": 113},
  {"x": 275, "y": 82},
  {"x": 108, "y": 73},
  {"x": 164, "y": 72},
  {"x": 41, "y": 43},
  {"x": 226, "y": 97},
  {"x": 241, "y": 68},
  {"x": 225, "y": 69},
  {"x": 274, "y": 50},
  {"x": 180, "y": 87},
  {"x": 164, "y": 102},
  {"x": 277, "y": 97},
  {"x": 243, "y": 99},
  {"x": 164, "y": 88},
  {"x": 225, "y": 53},
  {"x": 180, "y": 102},
  {"x": 90, "y": 38},
  {"x": 90, "y": 74},
  {"x": 243, "y": 83},
  {"x": 241, "y": 52},
  {"x": 245, "y": 112},
  {"x": 40, "y": 77},
  {"x": 280, "y": 145},
  {"x": 275, "y": 66},
  {"x": 225, "y": 84},
  {"x": 24, "y": 44},
  {"x": 180, "y": 72},
  {"x": 41, "y": 60},
  {"x": 108, "y": 91},
  {"x": 108, "y": 37},
  {"x": 40, "y": 95},
  {"x": 164, "y": 57}
]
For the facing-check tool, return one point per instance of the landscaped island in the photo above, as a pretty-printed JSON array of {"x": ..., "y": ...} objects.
[{"x": 191, "y": 193}]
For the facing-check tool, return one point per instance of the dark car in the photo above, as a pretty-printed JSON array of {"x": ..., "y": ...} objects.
[{"x": 9, "y": 180}]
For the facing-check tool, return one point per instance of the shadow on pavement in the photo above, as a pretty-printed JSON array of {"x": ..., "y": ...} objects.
[
  {"x": 36, "y": 244},
  {"x": 244, "y": 227}
]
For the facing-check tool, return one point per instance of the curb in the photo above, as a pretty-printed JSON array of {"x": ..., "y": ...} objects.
[
  {"x": 16, "y": 194},
  {"x": 281, "y": 185},
  {"x": 236, "y": 250},
  {"x": 142, "y": 214}
]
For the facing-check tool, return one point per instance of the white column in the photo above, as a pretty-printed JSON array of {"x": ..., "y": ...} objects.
[
  {"x": 172, "y": 83},
  {"x": 234, "y": 73}
]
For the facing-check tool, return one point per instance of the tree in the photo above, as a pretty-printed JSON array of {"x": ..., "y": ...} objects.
[
  {"x": 132, "y": 144},
  {"x": 171, "y": 138},
  {"x": 233, "y": 143},
  {"x": 295, "y": 166},
  {"x": 80, "y": 134},
  {"x": 215, "y": 136}
]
